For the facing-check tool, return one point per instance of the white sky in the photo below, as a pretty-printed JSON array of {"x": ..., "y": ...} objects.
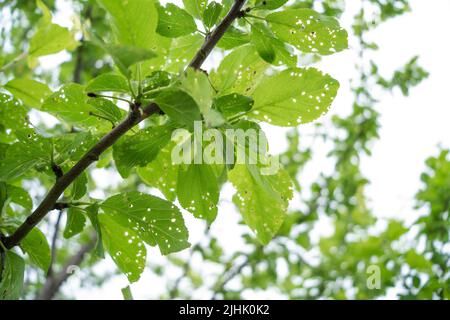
[{"x": 411, "y": 129}]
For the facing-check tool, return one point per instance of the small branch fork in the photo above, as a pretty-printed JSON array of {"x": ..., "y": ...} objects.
[{"x": 136, "y": 115}]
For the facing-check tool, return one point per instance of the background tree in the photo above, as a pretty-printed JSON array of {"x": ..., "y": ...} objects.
[{"x": 128, "y": 65}]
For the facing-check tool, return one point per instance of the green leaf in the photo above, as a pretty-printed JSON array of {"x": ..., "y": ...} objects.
[
  {"x": 70, "y": 104},
  {"x": 75, "y": 222},
  {"x": 49, "y": 38},
  {"x": 233, "y": 104},
  {"x": 72, "y": 146},
  {"x": 36, "y": 246},
  {"x": 92, "y": 213},
  {"x": 294, "y": 96},
  {"x": 124, "y": 246},
  {"x": 269, "y": 4},
  {"x": 140, "y": 149},
  {"x": 19, "y": 196},
  {"x": 270, "y": 48},
  {"x": 182, "y": 51},
  {"x": 214, "y": 119},
  {"x": 105, "y": 109},
  {"x": 198, "y": 191},
  {"x": 239, "y": 72},
  {"x": 417, "y": 261},
  {"x": 79, "y": 187},
  {"x": 134, "y": 21},
  {"x": 125, "y": 56},
  {"x": 31, "y": 92},
  {"x": 13, "y": 114},
  {"x": 262, "y": 200},
  {"x": 309, "y": 31},
  {"x": 195, "y": 7},
  {"x": 179, "y": 106},
  {"x": 12, "y": 276},
  {"x": 197, "y": 85},
  {"x": 108, "y": 82},
  {"x": 29, "y": 151},
  {"x": 156, "y": 221},
  {"x": 262, "y": 43},
  {"x": 174, "y": 22},
  {"x": 126, "y": 292},
  {"x": 233, "y": 38},
  {"x": 162, "y": 167},
  {"x": 211, "y": 14},
  {"x": 3, "y": 197},
  {"x": 157, "y": 79}
]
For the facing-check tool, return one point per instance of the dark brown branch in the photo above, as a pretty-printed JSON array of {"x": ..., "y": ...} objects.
[
  {"x": 217, "y": 34},
  {"x": 52, "y": 284},
  {"x": 134, "y": 117}
]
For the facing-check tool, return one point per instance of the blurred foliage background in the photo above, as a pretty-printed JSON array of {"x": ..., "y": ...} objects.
[{"x": 412, "y": 259}]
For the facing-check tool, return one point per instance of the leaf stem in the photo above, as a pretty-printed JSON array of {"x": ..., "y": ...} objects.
[
  {"x": 14, "y": 61},
  {"x": 254, "y": 17}
]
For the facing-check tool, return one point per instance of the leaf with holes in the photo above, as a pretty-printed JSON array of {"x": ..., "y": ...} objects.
[
  {"x": 174, "y": 22},
  {"x": 124, "y": 246},
  {"x": 31, "y": 92},
  {"x": 154, "y": 220},
  {"x": 270, "y": 48},
  {"x": 134, "y": 21},
  {"x": 13, "y": 115},
  {"x": 294, "y": 96},
  {"x": 239, "y": 72},
  {"x": 179, "y": 106},
  {"x": 12, "y": 276},
  {"x": 182, "y": 51},
  {"x": 233, "y": 104},
  {"x": 211, "y": 14},
  {"x": 161, "y": 173},
  {"x": 195, "y": 7},
  {"x": 140, "y": 149},
  {"x": 233, "y": 38},
  {"x": 75, "y": 222},
  {"x": 36, "y": 246},
  {"x": 309, "y": 31},
  {"x": 109, "y": 82},
  {"x": 198, "y": 191},
  {"x": 262, "y": 200},
  {"x": 197, "y": 85},
  {"x": 70, "y": 104},
  {"x": 31, "y": 150}
]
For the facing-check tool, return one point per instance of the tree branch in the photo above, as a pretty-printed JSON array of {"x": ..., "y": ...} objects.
[
  {"x": 134, "y": 117},
  {"x": 211, "y": 41},
  {"x": 53, "y": 283},
  {"x": 54, "y": 240}
]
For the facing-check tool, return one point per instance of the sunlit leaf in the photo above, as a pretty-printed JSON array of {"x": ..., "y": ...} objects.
[
  {"x": 294, "y": 96},
  {"x": 155, "y": 221}
]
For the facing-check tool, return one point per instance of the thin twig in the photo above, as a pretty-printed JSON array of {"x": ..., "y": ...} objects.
[
  {"x": 52, "y": 284},
  {"x": 54, "y": 240}
]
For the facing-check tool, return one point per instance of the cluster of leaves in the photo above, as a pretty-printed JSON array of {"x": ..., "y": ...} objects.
[
  {"x": 297, "y": 265},
  {"x": 148, "y": 47}
]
